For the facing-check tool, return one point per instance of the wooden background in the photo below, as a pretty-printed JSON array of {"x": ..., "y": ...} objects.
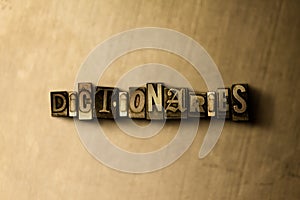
[{"x": 43, "y": 44}]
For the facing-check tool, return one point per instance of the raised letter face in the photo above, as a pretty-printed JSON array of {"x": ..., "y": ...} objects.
[
  {"x": 223, "y": 110},
  {"x": 175, "y": 103},
  {"x": 72, "y": 104},
  {"x": 154, "y": 101},
  {"x": 198, "y": 105},
  {"x": 211, "y": 104},
  {"x": 239, "y": 98},
  {"x": 106, "y": 102},
  {"x": 59, "y": 104},
  {"x": 123, "y": 104},
  {"x": 85, "y": 100},
  {"x": 137, "y": 101}
]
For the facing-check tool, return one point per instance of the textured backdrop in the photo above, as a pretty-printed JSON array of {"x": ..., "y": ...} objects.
[{"x": 43, "y": 44}]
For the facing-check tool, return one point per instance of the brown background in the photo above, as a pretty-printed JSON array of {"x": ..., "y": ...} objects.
[{"x": 43, "y": 44}]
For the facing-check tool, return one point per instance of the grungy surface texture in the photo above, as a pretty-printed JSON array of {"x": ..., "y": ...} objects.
[{"x": 43, "y": 44}]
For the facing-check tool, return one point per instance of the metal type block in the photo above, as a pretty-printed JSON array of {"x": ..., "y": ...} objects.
[
  {"x": 59, "y": 103},
  {"x": 175, "y": 103},
  {"x": 106, "y": 102},
  {"x": 137, "y": 102},
  {"x": 123, "y": 104},
  {"x": 240, "y": 102},
  {"x": 223, "y": 99},
  {"x": 154, "y": 105},
  {"x": 197, "y": 105},
  {"x": 85, "y": 101},
  {"x": 211, "y": 104},
  {"x": 72, "y": 103}
]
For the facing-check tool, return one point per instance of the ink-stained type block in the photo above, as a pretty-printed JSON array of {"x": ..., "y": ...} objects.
[
  {"x": 197, "y": 104},
  {"x": 72, "y": 103},
  {"x": 85, "y": 101},
  {"x": 59, "y": 104},
  {"x": 123, "y": 104},
  {"x": 211, "y": 104},
  {"x": 240, "y": 102},
  {"x": 137, "y": 102},
  {"x": 175, "y": 103},
  {"x": 106, "y": 102},
  {"x": 223, "y": 102},
  {"x": 154, "y": 105}
]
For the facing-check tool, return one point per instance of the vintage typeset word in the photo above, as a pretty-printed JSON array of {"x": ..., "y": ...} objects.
[{"x": 152, "y": 102}]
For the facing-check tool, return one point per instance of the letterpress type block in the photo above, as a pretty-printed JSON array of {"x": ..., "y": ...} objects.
[
  {"x": 175, "y": 103},
  {"x": 59, "y": 104},
  {"x": 223, "y": 110},
  {"x": 85, "y": 101},
  {"x": 137, "y": 102},
  {"x": 72, "y": 104},
  {"x": 154, "y": 105},
  {"x": 211, "y": 104},
  {"x": 239, "y": 102},
  {"x": 197, "y": 104},
  {"x": 123, "y": 104},
  {"x": 106, "y": 102}
]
